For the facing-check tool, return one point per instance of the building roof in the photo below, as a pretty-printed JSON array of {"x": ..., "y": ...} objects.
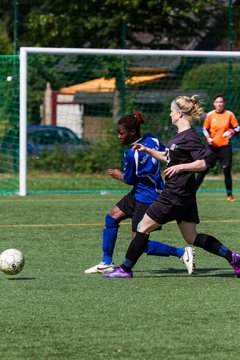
[{"x": 108, "y": 85}]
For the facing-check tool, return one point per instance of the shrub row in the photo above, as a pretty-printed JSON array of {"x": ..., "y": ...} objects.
[{"x": 96, "y": 160}]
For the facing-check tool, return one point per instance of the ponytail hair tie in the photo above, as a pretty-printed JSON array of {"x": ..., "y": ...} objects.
[{"x": 138, "y": 116}]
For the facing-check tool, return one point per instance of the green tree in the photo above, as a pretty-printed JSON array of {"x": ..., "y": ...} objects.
[
  {"x": 98, "y": 23},
  {"x": 5, "y": 41}
]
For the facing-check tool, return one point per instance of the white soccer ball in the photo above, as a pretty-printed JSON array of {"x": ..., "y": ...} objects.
[{"x": 11, "y": 261}]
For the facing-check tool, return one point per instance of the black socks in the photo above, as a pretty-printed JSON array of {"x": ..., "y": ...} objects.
[
  {"x": 135, "y": 250},
  {"x": 212, "y": 245}
]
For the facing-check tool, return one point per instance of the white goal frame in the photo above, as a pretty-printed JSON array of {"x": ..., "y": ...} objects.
[{"x": 24, "y": 51}]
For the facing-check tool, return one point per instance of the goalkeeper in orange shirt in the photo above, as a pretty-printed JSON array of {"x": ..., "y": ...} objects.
[{"x": 218, "y": 128}]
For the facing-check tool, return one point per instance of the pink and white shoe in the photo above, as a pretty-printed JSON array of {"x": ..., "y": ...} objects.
[{"x": 236, "y": 263}]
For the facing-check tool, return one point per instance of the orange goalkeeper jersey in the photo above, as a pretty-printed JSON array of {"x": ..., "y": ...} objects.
[{"x": 217, "y": 124}]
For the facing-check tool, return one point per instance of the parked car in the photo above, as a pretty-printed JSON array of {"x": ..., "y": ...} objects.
[
  {"x": 41, "y": 138},
  {"x": 44, "y": 137}
]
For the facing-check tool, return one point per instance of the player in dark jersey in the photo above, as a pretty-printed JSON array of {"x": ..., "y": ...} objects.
[
  {"x": 185, "y": 154},
  {"x": 141, "y": 171}
]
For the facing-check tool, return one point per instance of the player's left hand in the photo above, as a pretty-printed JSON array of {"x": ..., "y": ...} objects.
[{"x": 229, "y": 133}]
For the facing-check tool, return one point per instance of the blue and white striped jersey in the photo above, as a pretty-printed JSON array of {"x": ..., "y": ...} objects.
[{"x": 143, "y": 171}]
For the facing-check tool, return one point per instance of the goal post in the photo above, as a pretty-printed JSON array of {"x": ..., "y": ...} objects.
[
  {"x": 144, "y": 80},
  {"x": 23, "y": 124}
]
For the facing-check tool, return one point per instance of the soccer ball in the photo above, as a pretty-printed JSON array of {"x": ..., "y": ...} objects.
[{"x": 11, "y": 261}]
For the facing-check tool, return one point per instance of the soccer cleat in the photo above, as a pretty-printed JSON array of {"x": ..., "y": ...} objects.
[
  {"x": 119, "y": 273},
  {"x": 236, "y": 263},
  {"x": 230, "y": 198},
  {"x": 101, "y": 268},
  {"x": 188, "y": 259}
]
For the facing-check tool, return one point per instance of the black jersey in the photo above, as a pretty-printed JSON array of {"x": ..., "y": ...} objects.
[{"x": 184, "y": 147}]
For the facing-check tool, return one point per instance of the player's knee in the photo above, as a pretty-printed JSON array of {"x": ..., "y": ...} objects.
[
  {"x": 141, "y": 227},
  {"x": 110, "y": 222},
  {"x": 145, "y": 227}
]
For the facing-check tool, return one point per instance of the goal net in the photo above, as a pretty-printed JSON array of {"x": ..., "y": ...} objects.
[
  {"x": 9, "y": 124},
  {"x": 87, "y": 91}
]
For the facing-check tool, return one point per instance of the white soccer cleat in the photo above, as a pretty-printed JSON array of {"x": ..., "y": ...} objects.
[
  {"x": 101, "y": 268},
  {"x": 188, "y": 259}
]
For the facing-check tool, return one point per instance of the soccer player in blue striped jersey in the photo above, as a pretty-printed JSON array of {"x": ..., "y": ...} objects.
[{"x": 142, "y": 172}]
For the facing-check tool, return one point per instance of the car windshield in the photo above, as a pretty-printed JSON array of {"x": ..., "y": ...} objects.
[
  {"x": 67, "y": 136},
  {"x": 52, "y": 136}
]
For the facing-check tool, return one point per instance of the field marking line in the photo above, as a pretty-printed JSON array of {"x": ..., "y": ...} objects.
[
  {"x": 102, "y": 224},
  {"x": 82, "y": 199},
  {"x": 59, "y": 200}
]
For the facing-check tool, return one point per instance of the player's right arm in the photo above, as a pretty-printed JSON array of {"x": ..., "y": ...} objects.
[
  {"x": 206, "y": 130},
  {"x": 207, "y": 136},
  {"x": 159, "y": 155}
]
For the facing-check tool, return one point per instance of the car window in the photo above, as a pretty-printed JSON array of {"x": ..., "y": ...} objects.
[
  {"x": 52, "y": 136},
  {"x": 67, "y": 136},
  {"x": 45, "y": 137}
]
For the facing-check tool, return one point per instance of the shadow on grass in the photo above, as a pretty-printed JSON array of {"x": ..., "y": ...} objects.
[{"x": 205, "y": 272}]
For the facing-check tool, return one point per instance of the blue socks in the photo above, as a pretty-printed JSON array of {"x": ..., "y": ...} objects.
[
  {"x": 109, "y": 238},
  {"x": 158, "y": 248},
  {"x": 155, "y": 248}
]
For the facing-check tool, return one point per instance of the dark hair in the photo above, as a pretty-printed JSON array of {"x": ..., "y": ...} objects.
[
  {"x": 217, "y": 96},
  {"x": 132, "y": 122}
]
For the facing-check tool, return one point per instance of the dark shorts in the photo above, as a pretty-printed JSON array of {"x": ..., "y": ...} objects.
[
  {"x": 133, "y": 209},
  {"x": 223, "y": 154},
  {"x": 167, "y": 208}
]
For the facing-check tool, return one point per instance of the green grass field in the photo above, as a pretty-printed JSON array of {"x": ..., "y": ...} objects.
[
  {"x": 66, "y": 183},
  {"x": 52, "y": 310}
]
